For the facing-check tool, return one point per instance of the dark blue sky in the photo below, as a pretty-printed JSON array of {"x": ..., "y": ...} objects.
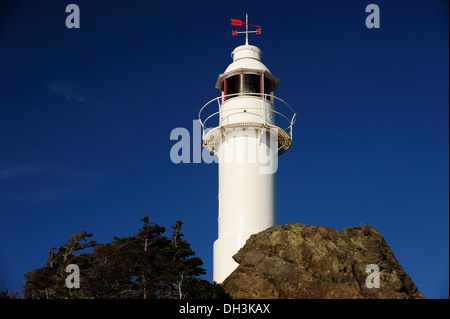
[{"x": 86, "y": 115}]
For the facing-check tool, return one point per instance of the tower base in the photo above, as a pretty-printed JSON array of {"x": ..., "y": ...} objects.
[{"x": 224, "y": 250}]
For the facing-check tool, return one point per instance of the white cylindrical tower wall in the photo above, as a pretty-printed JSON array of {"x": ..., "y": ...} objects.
[{"x": 247, "y": 193}]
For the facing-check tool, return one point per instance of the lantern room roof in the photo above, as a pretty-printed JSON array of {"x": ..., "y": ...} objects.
[{"x": 246, "y": 59}]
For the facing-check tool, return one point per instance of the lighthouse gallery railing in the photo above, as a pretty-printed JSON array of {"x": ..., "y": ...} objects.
[{"x": 263, "y": 98}]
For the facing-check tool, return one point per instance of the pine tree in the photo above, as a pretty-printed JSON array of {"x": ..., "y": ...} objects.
[
  {"x": 7, "y": 294},
  {"x": 184, "y": 264},
  {"x": 141, "y": 266},
  {"x": 49, "y": 282}
]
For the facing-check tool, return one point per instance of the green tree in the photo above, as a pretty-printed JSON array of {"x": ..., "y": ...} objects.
[
  {"x": 49, "y": 282},
  {"x": 7, "y": 294},
  {"x": 144, "y": 265},
  {"x": 184, "y": 265},
  {"x": 197, "y": 288}
]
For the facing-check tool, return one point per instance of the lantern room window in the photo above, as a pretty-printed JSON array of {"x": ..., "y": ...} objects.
[
  {"x": 233, "y": 84},
  {"x": 251, "y": 83},
  {"x": 247, "y": 84}
]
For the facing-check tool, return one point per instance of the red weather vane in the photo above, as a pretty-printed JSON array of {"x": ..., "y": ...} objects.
[{"x": 239, "y": 23}]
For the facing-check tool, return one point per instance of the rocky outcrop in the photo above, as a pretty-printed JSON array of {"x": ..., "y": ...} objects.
[{"x": 300, "y": 261}]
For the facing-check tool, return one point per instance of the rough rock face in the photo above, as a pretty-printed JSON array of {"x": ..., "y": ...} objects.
[{"x": 300, "y": 261}]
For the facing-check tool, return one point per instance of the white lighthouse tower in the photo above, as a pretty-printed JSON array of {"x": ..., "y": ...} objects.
[{"x": 244, "y": 135}]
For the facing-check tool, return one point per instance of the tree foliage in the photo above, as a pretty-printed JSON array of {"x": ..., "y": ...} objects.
[
  {"x": 146, "y": 265},
  {"x": 7, "y": 294}
]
